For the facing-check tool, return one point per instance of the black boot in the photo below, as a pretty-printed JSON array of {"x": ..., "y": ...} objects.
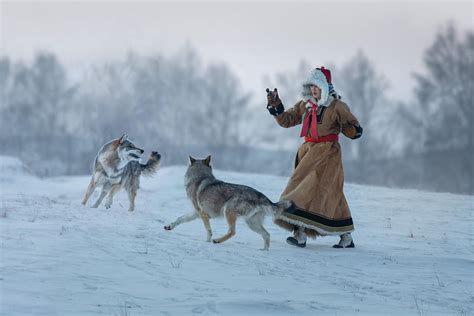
[
  {"x": 298, "y": 239},
  {"x": 294, "y": 242}
]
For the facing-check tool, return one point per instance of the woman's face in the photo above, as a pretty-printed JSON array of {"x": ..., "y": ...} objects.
[{"x": 315, "y": 92}]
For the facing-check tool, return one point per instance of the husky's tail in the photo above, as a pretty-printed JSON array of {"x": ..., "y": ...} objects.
[{"x": 152, "y": 164}]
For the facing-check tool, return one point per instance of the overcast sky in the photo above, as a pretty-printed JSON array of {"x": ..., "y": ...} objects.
[{"x": 254, "y": 39}]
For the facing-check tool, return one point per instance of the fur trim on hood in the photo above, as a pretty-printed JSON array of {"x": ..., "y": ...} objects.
[{"x": 316, "y": 78}]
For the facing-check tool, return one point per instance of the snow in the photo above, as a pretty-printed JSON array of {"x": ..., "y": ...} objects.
[
  {"x": 413, "y": 255},
  {"x": 12, "y": 167}
]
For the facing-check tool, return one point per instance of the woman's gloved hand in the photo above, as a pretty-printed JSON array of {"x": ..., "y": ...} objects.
[
  {"x": 353, "y": 131},
  {"x": 274, "y": 104}
]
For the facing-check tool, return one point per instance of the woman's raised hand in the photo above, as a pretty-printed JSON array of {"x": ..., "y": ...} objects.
[
  {"x": 272, "y": 97},
  {"x": 274, "y": 104}
]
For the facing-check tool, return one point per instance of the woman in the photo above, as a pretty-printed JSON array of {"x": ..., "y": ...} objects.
[{"x": 316, "y": 185}]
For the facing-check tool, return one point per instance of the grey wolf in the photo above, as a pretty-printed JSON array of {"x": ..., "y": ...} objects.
[
  {"x": 117, "y": 166},
  {"x": 212, "y": 198}
]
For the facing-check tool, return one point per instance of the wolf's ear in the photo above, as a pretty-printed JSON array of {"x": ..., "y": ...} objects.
[
  {"x": 207, "y": 161},
  {"x": 123, "y": 138},
  {"x": 119, "y": 141},
  {"x": 191, "y": 160}
]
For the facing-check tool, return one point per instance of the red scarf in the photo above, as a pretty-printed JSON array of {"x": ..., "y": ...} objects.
[{"x": 311, "y": 115}]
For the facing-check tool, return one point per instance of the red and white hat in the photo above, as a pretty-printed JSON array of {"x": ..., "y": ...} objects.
[{"x": 320, "y": 77}]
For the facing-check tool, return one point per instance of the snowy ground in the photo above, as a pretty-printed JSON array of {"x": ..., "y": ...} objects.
[{"x": 413, "y": 256}]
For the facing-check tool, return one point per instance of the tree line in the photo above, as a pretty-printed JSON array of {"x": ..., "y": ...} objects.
[{"x": 178, "y": 105}]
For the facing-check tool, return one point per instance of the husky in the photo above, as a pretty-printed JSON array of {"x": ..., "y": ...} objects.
[
  {"x": 116, "y": 166},
  {"x": 211, "y": 198}
]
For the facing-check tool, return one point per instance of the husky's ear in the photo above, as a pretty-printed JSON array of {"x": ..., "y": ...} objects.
[
  {"x": 123, "y": 138},
  {"x": 191, "y": 160},
  {"x": 207, "y": 161}
]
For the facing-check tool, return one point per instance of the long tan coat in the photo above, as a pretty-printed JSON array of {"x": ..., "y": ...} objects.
[{"x": 316, "y": 185}]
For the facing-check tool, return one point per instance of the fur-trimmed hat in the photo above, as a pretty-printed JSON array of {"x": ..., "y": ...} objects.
[{"x": 320, "y": 77}]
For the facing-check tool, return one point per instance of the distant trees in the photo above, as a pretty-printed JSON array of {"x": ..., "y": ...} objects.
[
  {"x": 166, "y": 104},
  {"x": 35, "y": 100},
  {"x": 174, "y": 101},
  {"x": 224, "y": 102},
  {"x": 364, "y": 90},
  {"x": 179, "y": 106},
  {"x": 444, "y": 94},
  {"x": 445, "y": 91},
  {"x": 433, "y": 132}
]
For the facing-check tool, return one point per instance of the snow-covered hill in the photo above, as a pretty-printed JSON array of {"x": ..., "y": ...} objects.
[{"x": 414, "y": 254}]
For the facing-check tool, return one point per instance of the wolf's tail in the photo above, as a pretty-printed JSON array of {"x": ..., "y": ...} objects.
[
  {"x": 152, "y": 164},
  {"x": 282, "y": 206}
]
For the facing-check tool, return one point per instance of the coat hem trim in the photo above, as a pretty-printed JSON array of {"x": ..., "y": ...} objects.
[{"x": 319, "y": 228}]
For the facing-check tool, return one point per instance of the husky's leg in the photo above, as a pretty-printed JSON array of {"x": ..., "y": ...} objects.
[
  {"x": 90, "y": 189},
  {"x": 207, "y": 225},
  {"x": 255, "y": 223},
  {"x": 110, "y": 197},
  {"x": 182, "y": 219},
  {"x": 103, "y": 193},
  {"x": 132, "y": 193},
  {"x": 231, "y": 219}
]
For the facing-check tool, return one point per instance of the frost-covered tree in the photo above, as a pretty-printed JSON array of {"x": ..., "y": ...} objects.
[
  {"x": 223, "y": 103},
  {"x": 5, "y": 81},
  {"x": 169, "y": 103},
  {"x": 445, "y": 91},
  {"x": 444, "y": 95},
  {"x": 363, "y": 89},
  {"x": 35, "y": 99},
  {"x": 49, "y": 94}
]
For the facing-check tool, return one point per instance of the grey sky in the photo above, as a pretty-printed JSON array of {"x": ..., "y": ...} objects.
[{"x": 254, "y": 39}]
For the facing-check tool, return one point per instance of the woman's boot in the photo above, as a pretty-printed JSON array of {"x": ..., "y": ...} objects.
[
  {"x": 345, "y": 242},
  {"x": 298, "y": 239}
]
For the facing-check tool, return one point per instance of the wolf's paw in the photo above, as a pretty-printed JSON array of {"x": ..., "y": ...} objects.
[
  {"x": 216, "y": 241},
  {"x": 168, "y": 227},
  {"x": 108, "y": 204}
]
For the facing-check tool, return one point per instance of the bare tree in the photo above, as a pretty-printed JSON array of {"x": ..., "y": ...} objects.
[
  {"x": 223, "y": 106},
  {"x": 34, "y": 101},
  {"x": 445, "y": 92},
  {"x": 5, "y": 81},
  {"x": 364, "y": 91},
  {"x": 445, "y": 95}
]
